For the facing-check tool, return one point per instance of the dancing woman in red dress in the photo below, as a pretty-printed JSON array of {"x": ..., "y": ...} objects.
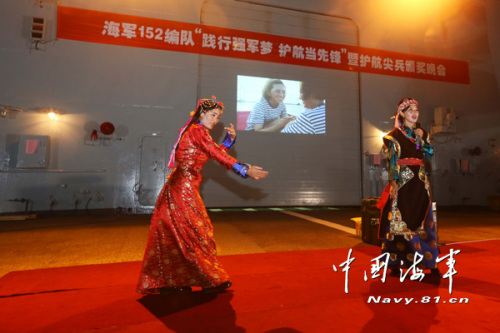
[{"x": 180, "y": 251}]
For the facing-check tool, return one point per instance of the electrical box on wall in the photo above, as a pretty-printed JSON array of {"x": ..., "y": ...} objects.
[
  {"x": 374, "y": 159},
  {"x": 38, "y": 29},
  {"x": 27, "y": 151},
  {"x": 444, "y": 120},
  {"x": 33, "y": 151}
]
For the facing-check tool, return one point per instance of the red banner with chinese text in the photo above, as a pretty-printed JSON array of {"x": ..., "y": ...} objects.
[{"x": 136, "y": 31}]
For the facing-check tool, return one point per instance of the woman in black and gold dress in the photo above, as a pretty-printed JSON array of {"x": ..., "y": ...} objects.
[{"x": 406, "y": 224}]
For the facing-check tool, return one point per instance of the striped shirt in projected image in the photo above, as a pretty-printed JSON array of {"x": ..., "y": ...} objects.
[
  {"x": 263, "y": 113},
  {"x": 311, "y": 121}
]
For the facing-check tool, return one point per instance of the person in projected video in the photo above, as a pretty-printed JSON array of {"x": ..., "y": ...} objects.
[
  {"x": 406, "y": 223},
  {"x": 269, "y": 115},
  {"x": 312, "y": 119},
  {"x": 180, "y": 251}
]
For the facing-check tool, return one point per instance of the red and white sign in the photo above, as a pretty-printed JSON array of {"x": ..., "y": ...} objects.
[{"x": 136, "y": 31}]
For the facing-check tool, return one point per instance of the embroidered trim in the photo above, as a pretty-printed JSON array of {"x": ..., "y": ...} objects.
[{"x": 410, "y": 161}]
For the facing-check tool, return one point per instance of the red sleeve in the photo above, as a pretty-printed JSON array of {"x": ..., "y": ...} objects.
[{"x": 203, "y": 140}]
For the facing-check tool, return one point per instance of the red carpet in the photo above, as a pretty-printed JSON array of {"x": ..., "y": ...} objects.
[{"x": 273, "y": 292}]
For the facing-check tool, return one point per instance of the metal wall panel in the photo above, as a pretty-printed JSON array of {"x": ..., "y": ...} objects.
[{"x": 304, "y": 169}]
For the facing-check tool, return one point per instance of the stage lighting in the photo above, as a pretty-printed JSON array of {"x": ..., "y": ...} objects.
[{"x": 3, "y": 112}]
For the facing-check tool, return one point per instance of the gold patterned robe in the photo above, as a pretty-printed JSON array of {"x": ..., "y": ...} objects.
[
  {"x": 406, "y": 223},
  {"x": 180, "y": 250}
]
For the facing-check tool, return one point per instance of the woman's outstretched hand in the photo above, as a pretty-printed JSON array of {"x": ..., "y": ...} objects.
[
  {"x": 231, "y": 131},
  {"x": 256, "y": 172}
]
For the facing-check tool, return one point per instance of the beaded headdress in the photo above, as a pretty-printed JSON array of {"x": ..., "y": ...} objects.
[
  {"x": 209, "y": 104},
  {"x": 402, "y": 108}
]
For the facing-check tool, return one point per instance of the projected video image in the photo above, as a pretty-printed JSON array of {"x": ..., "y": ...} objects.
[{"x": 277, "y": 105}]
